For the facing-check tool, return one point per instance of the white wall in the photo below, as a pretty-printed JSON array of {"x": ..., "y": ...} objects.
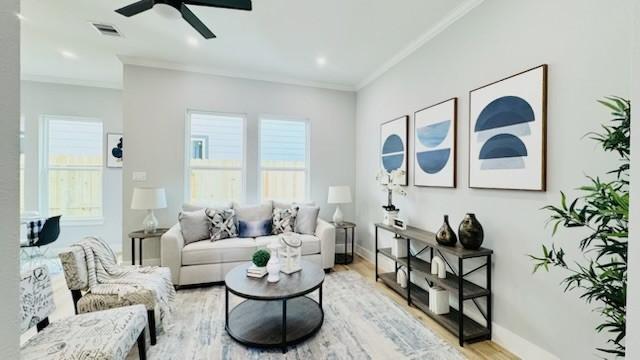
[
  {"x": 155, "y": 106},
  {"x": 586, "y": 44},
  {"x": 9, "y": 108},
  {"x": 633, "y": 290},
  {"x": 40, "y": 99}
]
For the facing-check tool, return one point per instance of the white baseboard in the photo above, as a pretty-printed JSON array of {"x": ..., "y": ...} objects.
[
  {"x": 519, "y": 346},
  {"x": 501, "y": 336},
  {"x": 365, "y": 253}
]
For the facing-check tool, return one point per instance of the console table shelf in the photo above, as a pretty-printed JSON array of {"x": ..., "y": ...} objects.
[{"x": 455, "y": 321}]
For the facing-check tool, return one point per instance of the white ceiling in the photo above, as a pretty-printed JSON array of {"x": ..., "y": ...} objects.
[{"x": 279, "y": 40}]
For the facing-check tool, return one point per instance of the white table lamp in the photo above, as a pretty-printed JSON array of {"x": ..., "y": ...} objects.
[
  {"x": 149, "y": 199},
  {"x": 339, "y": 195}
]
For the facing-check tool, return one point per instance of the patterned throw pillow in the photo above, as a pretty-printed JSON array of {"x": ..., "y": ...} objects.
[
  {"x": 284, "y": 220},
  {"x": 223, "y": 224}
]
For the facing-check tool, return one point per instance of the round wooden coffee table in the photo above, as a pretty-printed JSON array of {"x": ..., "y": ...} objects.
[{"x": 274, "y": 314}]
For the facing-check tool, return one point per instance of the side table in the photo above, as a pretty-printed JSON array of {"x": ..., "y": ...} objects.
[
  {"x": 141, "y": 235},
  {"x": 345, "y": 258}
]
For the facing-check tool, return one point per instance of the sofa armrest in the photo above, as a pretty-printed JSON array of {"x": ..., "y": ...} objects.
[
  {"x": 327, "y": 235},
  {"x": 172, "y": 243}
]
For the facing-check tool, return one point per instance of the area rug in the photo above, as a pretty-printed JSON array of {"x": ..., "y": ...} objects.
[{"x": 360, "y": 323}]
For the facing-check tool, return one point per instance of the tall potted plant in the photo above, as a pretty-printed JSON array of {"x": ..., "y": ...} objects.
[{"x": 603, "y": 211}]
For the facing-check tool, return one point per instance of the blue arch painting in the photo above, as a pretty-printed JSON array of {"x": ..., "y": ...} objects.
[
  {"x": 432, "y": 162},
  {"x": 503, "y": 146},
  {"x": 504, "y": 111},
  {"x": 433, "y": 135},
  {"x": 392, "y": 153}
]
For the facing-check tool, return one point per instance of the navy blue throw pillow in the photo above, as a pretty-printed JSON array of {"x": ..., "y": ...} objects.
[{"x": 247, "y": 229}]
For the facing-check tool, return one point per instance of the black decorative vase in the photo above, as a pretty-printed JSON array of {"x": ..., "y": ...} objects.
[
  {"x": 446, "y": 236},
  {"x": 470, "y": 232}
]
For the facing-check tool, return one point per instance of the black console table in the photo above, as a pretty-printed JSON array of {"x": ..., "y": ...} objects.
[{"x": 466, "y": 329}]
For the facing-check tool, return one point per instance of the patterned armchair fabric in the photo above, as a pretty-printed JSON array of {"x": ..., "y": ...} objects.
[
  {"x": 104, "y": 335},
  {"x": 36, "y": 297},
  {"x": 75, "y": 268}
]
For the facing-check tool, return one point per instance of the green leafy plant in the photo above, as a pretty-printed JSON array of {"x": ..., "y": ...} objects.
[
  {"x": 603, "y": 211},
  {"x": 260, "y": 258}
]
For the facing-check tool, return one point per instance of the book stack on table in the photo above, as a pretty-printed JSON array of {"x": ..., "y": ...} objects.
[{"x": 256, "y": 272}]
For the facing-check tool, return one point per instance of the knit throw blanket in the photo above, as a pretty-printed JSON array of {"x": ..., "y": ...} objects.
[{"x": 106, "y": 277}]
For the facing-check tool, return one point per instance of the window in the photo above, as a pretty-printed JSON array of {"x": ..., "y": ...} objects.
[
  {"x": 284, "y": 159},
  {"x": 199, "y": 147},
  {"x": 216, "y": 162},
  {"x": 73, "y": 168}
]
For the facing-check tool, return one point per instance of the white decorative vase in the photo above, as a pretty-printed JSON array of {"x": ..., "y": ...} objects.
[
  {"x": 399, "y": 247},
  {"x": 401, "y": 277},
  {"x": 273, "y": 265},
  {"x": 389, "y": 216},
  {"x": 438, "y": 300}
]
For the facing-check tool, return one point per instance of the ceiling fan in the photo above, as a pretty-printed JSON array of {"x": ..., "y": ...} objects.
[{"x": 187, "y": 15}]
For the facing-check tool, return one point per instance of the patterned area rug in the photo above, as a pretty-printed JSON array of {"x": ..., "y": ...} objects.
[{"x": 360, "y": 323}]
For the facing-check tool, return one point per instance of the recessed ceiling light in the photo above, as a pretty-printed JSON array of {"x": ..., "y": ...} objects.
[
  {"x": 192, "y": 41},
  {"x": 20, "y": 16},
  {"x": 321, "y": 61},
  {"x": 68, "y": 54}
]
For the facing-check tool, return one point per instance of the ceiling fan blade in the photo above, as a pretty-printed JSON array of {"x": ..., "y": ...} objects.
[
  {"x": 227, "y": 4},
  {"x": 136, "y": 8},
  {"x": 193, "y": 20}
]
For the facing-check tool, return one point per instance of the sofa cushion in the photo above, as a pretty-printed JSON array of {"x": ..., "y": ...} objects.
[
  {"x": 221, "y": 251},
  {"x": 284, "y": 220},
  {"x": 253, "y": 212},
  {"x": 307, "y": 219},
  {"x": 254, "y": 220},
  {"x": 194, "y": 225},
  {"x": 223, "y": 224},
  {"x": 310, "y": 243}
]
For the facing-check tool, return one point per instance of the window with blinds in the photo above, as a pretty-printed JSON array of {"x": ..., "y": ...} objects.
[
  {"x": 216, "y": 161},
  {"x": 284, "y": 159},
  {"x": 73, "y": 166}
]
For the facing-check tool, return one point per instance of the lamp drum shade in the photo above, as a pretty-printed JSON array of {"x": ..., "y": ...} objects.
[
  {"x": 339, "y": 195},
  {"x": 148, "y": 199}
]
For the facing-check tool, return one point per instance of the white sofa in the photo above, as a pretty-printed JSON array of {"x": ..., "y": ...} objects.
[{"x": 207, "y": 261}]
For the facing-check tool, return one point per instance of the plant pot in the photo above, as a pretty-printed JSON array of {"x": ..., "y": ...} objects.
[
  {"x": 470, "y": 232},
  {"x": 389, "y": 215},
  {"x": 446, "y": 236}
]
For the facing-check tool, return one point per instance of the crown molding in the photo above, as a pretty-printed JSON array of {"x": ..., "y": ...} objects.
[
  {"x": 128, "y": 60},
  {"x": 447, "y": 21},
  {"x": 70, "y": 81}
]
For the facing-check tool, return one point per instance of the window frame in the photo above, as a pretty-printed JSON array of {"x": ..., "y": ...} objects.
[
  {"x": 187, "y": 152},
  {"x": 43, "y": 166},
  {"x": 307, "y": 161}
]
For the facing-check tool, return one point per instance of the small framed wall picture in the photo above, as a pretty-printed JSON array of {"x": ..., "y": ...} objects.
[
  {"x": 394, "y": 146},
  {"x": 435, "y": 145},
  {"x": 507, "y": 132},
  {"x": 115, "y": 151}
]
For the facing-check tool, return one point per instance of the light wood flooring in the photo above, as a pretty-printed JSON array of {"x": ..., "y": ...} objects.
[
  {"x": 481, "y": 350},
  {"x": 476, "y": 351}
]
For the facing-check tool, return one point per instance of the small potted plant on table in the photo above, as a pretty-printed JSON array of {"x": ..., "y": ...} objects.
[{"x": 259, "y": 267}]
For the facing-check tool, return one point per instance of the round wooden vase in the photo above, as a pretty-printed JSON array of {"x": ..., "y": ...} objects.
[
  {"x": 470, "y": 232},
  {"x": 446, "y": 236}
]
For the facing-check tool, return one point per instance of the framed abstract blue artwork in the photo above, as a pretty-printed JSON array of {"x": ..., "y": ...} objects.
[
  {"x": 507, "y": 132},
  {"x": 435, "y": 145},
  {"x": 394, "y": 145}
]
